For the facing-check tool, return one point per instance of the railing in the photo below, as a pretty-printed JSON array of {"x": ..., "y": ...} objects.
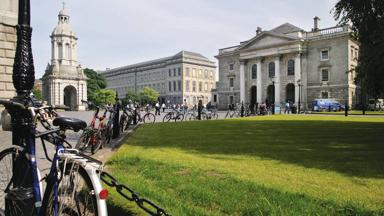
[{"x": 328, "y": 32}]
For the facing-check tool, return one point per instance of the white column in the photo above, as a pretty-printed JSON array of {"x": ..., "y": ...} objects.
[
  {"x": 259, "y": 84},
  {"x": 242, "y": 82},
  {"x": 297, "y": 76},
  {"x": 277, "y": 81}
]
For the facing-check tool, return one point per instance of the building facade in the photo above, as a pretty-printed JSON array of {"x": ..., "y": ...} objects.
[
  {"x": 8, "y": 38},
  {"x": 288, "y": 64},
  {"x": 183, "y": 78},
  {"x": 64, "y": 81}
]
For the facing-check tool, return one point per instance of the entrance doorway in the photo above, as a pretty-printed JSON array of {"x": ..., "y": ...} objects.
[
  {"x": 290, "y": 93},
  {"x": 270, "y": 95},
  {"x": 70, "y": 97},
  {"x": 253, "y": 95}
]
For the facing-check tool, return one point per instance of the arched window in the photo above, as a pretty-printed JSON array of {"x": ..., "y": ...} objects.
[
  {"x": 254, "y": 71},
  {"x": 271, "y": 69},
  {"x": 291, "y": 67}
]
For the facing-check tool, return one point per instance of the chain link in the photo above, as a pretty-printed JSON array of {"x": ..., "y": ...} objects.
[{"x": 129, "y": 194}]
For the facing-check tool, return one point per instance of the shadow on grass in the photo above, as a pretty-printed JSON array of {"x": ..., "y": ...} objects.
[{"x": 350, "y": 148}]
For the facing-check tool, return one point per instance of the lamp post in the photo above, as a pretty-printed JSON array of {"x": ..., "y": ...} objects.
[
  {"x": 300, "y": 85},
  {"x": 273, "y": 84}
]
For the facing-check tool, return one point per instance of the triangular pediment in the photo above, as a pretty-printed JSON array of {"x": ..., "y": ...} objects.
[{"x": 267, "y": 39}]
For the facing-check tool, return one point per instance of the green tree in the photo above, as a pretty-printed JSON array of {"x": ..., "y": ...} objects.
[
  {"x": 367, "y": 19},
  {"x": 149, "y": 95},
  {"x": 95, "y": 82},
  {"x": 130, "y": 96},
  {"x": 37, "y": 93},
  {"x": 105, "y": 96}
]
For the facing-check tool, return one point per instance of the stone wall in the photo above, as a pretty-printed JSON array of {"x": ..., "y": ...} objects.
[{"x": 7, "y": 55}]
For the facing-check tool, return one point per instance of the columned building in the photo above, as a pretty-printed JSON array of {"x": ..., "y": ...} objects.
[
  {"x": 183, "y": 78},
  {"x": 288, "y": 64},
  {"x": 64, "y": 81}
]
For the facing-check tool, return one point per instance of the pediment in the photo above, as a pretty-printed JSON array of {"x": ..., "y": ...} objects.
[{"x": 267, "y": 39}]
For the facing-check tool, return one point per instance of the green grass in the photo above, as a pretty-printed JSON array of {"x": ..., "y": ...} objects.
[
  {"x": 280, "y": 165},
  {"x": 352, "y": 112}
]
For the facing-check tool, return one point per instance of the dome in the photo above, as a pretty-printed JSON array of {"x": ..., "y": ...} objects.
[
  {"x": 63, "y": 29},
  {"x": 63, "y": 12}
]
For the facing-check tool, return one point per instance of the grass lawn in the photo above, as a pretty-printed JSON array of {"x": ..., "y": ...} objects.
[
  {"x": 352, "y": 112},
  {"x": 274, "y": 165}
]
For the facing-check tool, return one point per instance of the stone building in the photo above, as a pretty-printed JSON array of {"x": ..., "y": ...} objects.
[
  {"x": 183, "y": 78},
  {"x": 275, "y": 65},
  {"x": 8, "y": 38},
  {"x": 64, "y": 81}
]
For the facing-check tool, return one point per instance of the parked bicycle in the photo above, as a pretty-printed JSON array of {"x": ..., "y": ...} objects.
[
  {"x": 72, "y": 185},
  {"x": 175, "y": 115},
  {"x": 93, "y": 136}
]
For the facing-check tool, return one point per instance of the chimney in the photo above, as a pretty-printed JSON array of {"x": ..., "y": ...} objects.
[
  {"x": 258, "y": 30},
  {"x": 316, "y": 23}
]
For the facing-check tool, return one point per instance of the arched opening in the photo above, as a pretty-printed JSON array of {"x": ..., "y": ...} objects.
[
  {"x": 70, "y": 97},
  {"x": 270, "y": 95},
  {"x": 253, "y": 95},
  {"x": 290, "y": 93}
]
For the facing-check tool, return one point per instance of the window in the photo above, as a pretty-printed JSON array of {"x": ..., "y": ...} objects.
[
  {"x": 324, "y": 75},
  {"x": 174, "y": 71},
  {"x": 231, "y": 80},
  {"x": 194, "y": 86},
  {"x": 215, "y": 98},
  {"x": 291, "y": 67},
  {"x": 179, "y": 71},
  {"x": 230, "y": 99},
  {"x": 179, "y": 85},
  {"x": 324, "y": 95},
  {"x": 170, "y": 86},
  {"x": 230, "y": 66},
  {"x": 200, "y": 86},
  {"x": 174, "y": 85},
  {"x": 170, "y": 73},
  {"x": 206, "y": 87},
  {"x": 205, "y": 74},
  {"x": 187, "y": 72},
  {"x": 187, "y": 85},
  {"x": 254, "y": 71},
  {"x": 271, "y": 69},
  {"x": 324, "y": 55}
]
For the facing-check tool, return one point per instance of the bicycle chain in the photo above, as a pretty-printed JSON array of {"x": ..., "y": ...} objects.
[{"x": 109, "y": 180}]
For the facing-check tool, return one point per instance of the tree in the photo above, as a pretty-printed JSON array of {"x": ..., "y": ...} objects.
[
  {"x": 105, "y": 96},
  {"x": 149, "y": 95},
  {"x": 367, "y": 19},
  {"x": 95, "y": 82},
  {"x": 130, "y": 96},
  {"x": 37, "y": 93}
]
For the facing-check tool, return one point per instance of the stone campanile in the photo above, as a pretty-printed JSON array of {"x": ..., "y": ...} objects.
[{"x": 64, "y": 81}]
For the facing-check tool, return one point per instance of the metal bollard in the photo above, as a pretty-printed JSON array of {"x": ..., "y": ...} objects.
[
  {"x": 242, "y": 109},
  {"x": 199, "y": 109}
]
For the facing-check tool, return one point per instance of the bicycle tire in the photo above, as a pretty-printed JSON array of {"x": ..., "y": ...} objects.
[
  {"x": 100, "y": 139},
  {"x": 190, "y": 117},
  {"x": 167, "y": 117},
  {"x": 72, "y": 200},
  {"x": 215, "y": 116},
  {"x": 7, "y": 159},
  {"x": 179, "y": 117},
  {"x": 149, "y": 118},
  {"x": 204, "y": 116}
]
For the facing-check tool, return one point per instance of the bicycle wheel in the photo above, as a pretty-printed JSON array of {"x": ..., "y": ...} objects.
[
  {"x": 76, "y": 195},
  {"x": 123, "y": 121},
  {"x": 204, "y": 116},
  {"x": 98, "y": 141},
  {"x": 22, "y": 179},
  {"x": 167, "y": 117},
  {"x": 215, "y": 116},
  {"x": 179, "y": 117},
  {"x": 149, "y": 118},
  {"x": 190, "y": 117}
]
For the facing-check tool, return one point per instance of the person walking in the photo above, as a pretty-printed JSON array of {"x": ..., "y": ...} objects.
[
  {"x": 286, "y": 111},
  {"x": 163, "y": 106},
  {"x": 157, "y": 108}
]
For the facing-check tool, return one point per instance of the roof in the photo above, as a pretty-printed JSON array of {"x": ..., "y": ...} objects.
[{"x": 286, "y": 28}]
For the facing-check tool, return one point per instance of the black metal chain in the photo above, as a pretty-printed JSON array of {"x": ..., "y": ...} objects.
[{"x": 131, "y": 195}]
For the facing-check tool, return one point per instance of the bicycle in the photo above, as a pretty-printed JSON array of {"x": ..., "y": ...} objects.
[
  {"x": 72, "y": 186},
  {"x": 92, "y": 139},
  {"x": 173, "y": 115}
]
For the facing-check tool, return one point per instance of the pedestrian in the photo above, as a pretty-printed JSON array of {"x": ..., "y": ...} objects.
[
  {"x": 286, "y": 111},
  {"x": 157, "y": 108},
  {"x": 163, "y": 106}
]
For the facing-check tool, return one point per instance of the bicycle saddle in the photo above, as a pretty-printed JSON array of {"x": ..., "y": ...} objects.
[{"x": 70, "y": 123}]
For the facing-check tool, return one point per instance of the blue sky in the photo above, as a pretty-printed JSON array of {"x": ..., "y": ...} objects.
[{"x": 115, "y": 33}]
